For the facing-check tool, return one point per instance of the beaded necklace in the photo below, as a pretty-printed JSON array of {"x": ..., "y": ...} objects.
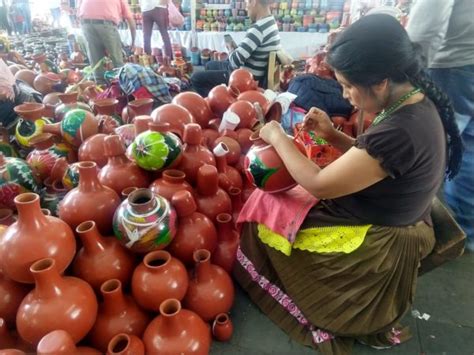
[{"x": 386, "y": 113}]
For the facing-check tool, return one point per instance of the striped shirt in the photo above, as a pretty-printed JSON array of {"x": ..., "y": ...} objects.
[{"x": 261, "y": 39}]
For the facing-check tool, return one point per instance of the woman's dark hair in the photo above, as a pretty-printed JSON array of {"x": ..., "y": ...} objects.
[{"x": 377, "y": 47}]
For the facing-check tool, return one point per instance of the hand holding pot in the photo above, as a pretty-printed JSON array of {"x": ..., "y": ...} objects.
[{"x": 272, "y": 132}]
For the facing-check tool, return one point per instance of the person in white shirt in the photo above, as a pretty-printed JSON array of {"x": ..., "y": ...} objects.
[
  {"x": 55, "y": 8},
  {"x": 156, "y": 11}
]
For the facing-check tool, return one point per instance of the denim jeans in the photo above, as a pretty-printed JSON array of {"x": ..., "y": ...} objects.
[
  {"x": 458, "y": 84},
  {"x": 216, "y": 73}
]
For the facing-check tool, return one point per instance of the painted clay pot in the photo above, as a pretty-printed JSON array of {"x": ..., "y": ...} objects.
[
  {"x": 194, "y": 153},
  {"x": 170, "y": 182},
  {"x": 242, "y": 80},
  {"x": 195, "y": 230},
  {"x": 11, "y": 295},
  {"x": 210, "y": 290},
  {"x": 135, "y": 108},
  {"x": 68, "y": 174},
  {"x": 60, "y": 342},
  {"x": 20, "y": 246},
  {"x": 31, "y": 122},
  {"x": 69, "y": 102},
  {"x": 265, "y": 169},
  {"x": 159, "y": 277},
  {"x": 233, "y": 148},
  {"x": 228, "y": 176},
  {"x": 46, "y": 83},
  {"x": 175, "y": 115},
  {"x": 101, "y": 258},
  {"x": 118, "y": 313},
  {"x": 120, "y": 172},
  {"x": 221, "y": 97},
  {"x": 57, "y": 302},
  {"x": 125, "y": 344},
  {"x": 107, "y": 114},
  {"x": 243, "y": 137},
  {"x": 16, "y": 177},
  {"x": 196, "y": 106},
  {"x": 76, "y": 126},
  {"x": 177, "y": 331},
  {"x": 222, "y": 327},
  {"x": 6, "y": 148},
  {"x": 53, "y": 193},
  {"x": 7, "y": 218},
  {"x": 93, "y": 149},
  {"x": 26, "y": 75},
  {"x": 211, "y": 199},
  {"x": 228, "y": 242},
  {"x": 246, "y": 113},
  {"x": 145, "y": 222},
  {"x": 155, "y": 151},
  {"x": 89, "y": 201}
]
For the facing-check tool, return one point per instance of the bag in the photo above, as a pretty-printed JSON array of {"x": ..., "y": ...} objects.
[{"x": 175, "y": 18}]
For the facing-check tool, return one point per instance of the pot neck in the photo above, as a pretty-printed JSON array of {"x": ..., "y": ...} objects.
[
  {"x": 142, "y": 201},
  {"x": 202, "y": 270},
  {"x": 114, "y": 300},
  {"x": 175, "y": 179},
  {"x": 118, "y": 160},
  {"x": 48, "y": 282},
  {"x": 225, "y": 227},
  {"x": 29, "y": 213},
  {"x": 221, "y": 163},
  {"x": 207, "y": 180},
  {"x": 88, "y": 181},
  {"x": 91, "y": 240}
]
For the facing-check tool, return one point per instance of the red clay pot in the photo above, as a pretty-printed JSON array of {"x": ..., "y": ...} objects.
[
  {"x": 127, "y": 191},
  {"x": 159, "y": 277},
  {"x": 46, "y": 83},
  {"x": 228, "y": 242},
  {"x": 11, "y": 295},
  {"x": 107, "y": 114},
  {"x": 194, "y": 153},
  {"x": 26, "y": 75},
  {"x": 101, "y": 258},
  {"x": 228, "y": 176},
  {"x": 221, "y": 97},
  {"x": 210, "y": 290},
  {"x": 233, "y": 146},
  {"x": 242, "y": 80},
  {"x": 125, "y": 344},
  {"x": 89, "y": 201},
  {"x": 243, "y": 137},
  {"x": 52, "y": 99},
  {"x": 175, "y": 115},
  {"x": 196, "y": 106},
  {"x": 177, "y": 331},
  {"x": 246, "y": 113},
  {"x": 57, "y": 302},
  {"x": 222, "y": 327},
  {"x": 92, "y": 149},
  {"x": 20, "y": 245},
  {"x": 135, "y": 108},
  {"x": 6, "y": 339},
  {"x": 255, "y": 96},
  {"x": 120, "y": 172},
  {"x": 69, "y": 102},
  {"x": 195, "y": 230},
  {"x": 235, "y": 195},
  {"x": 170, "y": 182},
  {"x": 118, "y": 313},
  {"x": 60, "y": 342},
  {"x": 209, "y": 136},
  {"x": 7, "y": 218}
]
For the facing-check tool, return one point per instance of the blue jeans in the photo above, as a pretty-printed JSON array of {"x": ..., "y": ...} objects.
[{"x": 458, "y": 84}]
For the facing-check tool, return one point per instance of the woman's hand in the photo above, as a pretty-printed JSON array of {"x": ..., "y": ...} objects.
[
  {"x": 317, "y": 120},
  {"x": 272, "y": 132}
]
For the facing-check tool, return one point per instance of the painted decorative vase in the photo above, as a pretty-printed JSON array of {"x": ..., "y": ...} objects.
[
  {"x": 145, "y": 222},
  {"x": 176, "y": 116},
  {"x": 69, "y": 102},
  {"x": 68, "y": 174},
  {"x": 16, "y": 177},
  {"x": 242, "y": 80},
  {"x": 31, "y": 122},
  {"x": 265, "y": 169},
  {"x": 196, "y": 106}
]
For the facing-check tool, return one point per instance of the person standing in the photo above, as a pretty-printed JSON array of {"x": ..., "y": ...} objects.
[
  {"x": 24, "y": 10},
  {"x": 447, "y": 39},
  {"x": 4, "y": 23},
  {"x": 99, "y": 21},
  {"x": 55, "y": 9},
  {"x": 156, "y": 11}
]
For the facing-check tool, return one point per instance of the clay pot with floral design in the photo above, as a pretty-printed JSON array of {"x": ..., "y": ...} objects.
[
  {"x": 196, "y": 106},
  {"x": 31, "y": 122},
  {"x": 53, "y": 193},
  {"x": 69, "y": 102},
  {"x": 6, "y": 148}
]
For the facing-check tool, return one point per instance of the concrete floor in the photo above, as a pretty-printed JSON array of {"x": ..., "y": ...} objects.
[{"x": 446, "y": 294}]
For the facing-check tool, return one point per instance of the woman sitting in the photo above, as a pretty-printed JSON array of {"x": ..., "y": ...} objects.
[{"x": 352, "y": 270}]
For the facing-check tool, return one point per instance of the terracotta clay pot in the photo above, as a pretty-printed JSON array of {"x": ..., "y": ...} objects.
[
  {"x": 127, "y": 191},
  {"x": 145, "y": 222},
  {"x": 76, "y": 126},
  {"x": 57, "y": 302},
  {"x": 46, "y": 83},
  {"x": 228, "y": 242},
  {"x": 159, "y": 277},
  {"x": 20, "y": 245},
  {"x": 69, "y": 102},
  {"x": 211, "y": 199},
  {"x": 175, "y": 115},
  {"x": 120, "y": 172},
  {"x": 222, "y": 327},
  {"x": 135, "y": 108},
  {"x": 6, "y": 339},
  {"x": 233, "y": 147},
  {"x": 54, "y": 193},
  {"x": 177, "y": 331},
  {"x": 10, "y": 342},
  {"x": 15, "y": 68},
  {"x": 31, "y": 122},
  {"x": 92, "y": 149},
  {"x": 125, "y": 344},
  {"x": 11, "y": 295},
  {"x": 118, "y": 313},
  {"x": 209, "y": 136},
  {"x": 242, "y": 80},
  {"x": 101, "y": 258},
  {"x": 12, "y": 352},
  {"x": 26, "y": 75},
  {"x": 7, "y": 217},
  {"x": 60, "y": 342},
  {"x": 52, "y": 99},
  {"x": 243, "y": 137},
  {"x": 221, "y": 97},
  {"x": 210, "y": 290},
  {"x": 265, "y": 169},
  {"x": 246, "y": 113},
  {"x": 228, "y": 176},
  {"x": 196, "y": 106},
  {"x": 194, "y": 153},
  {"x": 171, "y": 182},
  {"x": 107, "y": 114},
  {"x": 68, "y": 174},
  {"x": 195, "y": 230},
  {"x": 235, "y": 195},
  {"x": 255, "y": 96},
  {"x": 89, "y": 201}
]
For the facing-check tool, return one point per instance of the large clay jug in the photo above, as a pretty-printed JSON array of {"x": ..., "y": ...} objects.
[
  {"x": 177, "y": 331},
  {"x": 233, "y": 147},
  {"x": 57, "y": 302},
  {"x": 228, "y": 242},
  {"x": 136, "y": 108},
  {"x": 211, "y": 199},
  {"x": 170, "y": 182},
  {"x": 194, "y": 153},
  {"x": 195, "y": 230},
  {"x": 89, "y": 201},
  {"x": 242, "y": 80},
  {"x": 125, "y": 344},
  {"x": 196, "y": 106},
  {"x": 101, "y": 258},
  {"x": 92, "y": 149},
  {"x": 243, "y": 137},
  {"x": 11, "y": 295},
  {"x": 255, "y": 96},
  {"x": 118, "y": 313},
  {"x": 158, "y": 277},
  {"x": 228, "y": 176},
  {"x": 221, "y": 97},
  {"x": 20, "y": 245},
  {"x": 246, "y": 113},
  {"x": 60, "y": 342},
  {"x": 69, "y": 102},
  {"x": 145, "y": 222},
  {"x": 175, "y": 115},
  {"x": 120, "y": 172},
  {"x": 107, "y": 113},
  {"x": 210, "y": 290},
  {"x": 31, "y": 122}
]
